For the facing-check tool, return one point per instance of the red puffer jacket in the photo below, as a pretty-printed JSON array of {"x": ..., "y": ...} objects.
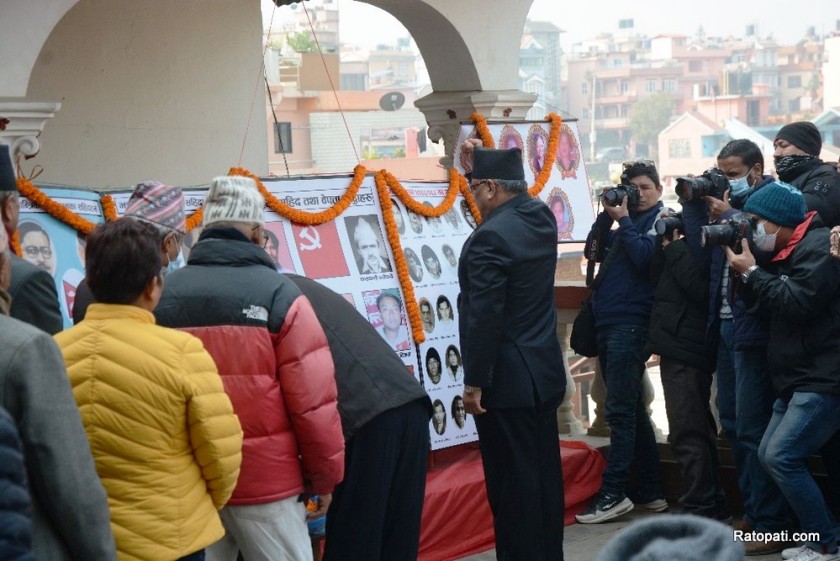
[{"x": 274, "y": 362}]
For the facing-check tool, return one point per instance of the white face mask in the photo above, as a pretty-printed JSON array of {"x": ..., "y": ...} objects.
[
  {"x": 763, "y": 240},
  {"x": 738, "y": 187}
]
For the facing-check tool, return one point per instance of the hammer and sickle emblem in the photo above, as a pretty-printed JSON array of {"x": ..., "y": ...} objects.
[{"x": 311, "y": 235}]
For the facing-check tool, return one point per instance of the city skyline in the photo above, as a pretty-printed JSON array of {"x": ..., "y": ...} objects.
[{"x": 720, "y": 18}]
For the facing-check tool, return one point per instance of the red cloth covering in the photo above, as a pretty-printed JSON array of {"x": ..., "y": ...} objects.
[{"x": 456, "y": 515}]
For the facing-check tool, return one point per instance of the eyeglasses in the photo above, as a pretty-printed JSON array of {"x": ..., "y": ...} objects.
[
  {"x": 32, "y": 251},
  {"x": 645, "y": 164},
  {"x": 265, "y": 237}
]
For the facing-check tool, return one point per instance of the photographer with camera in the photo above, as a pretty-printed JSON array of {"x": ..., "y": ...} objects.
[
  {"x": 794, "y": 280},
  {"x": 677, "y": 335},
  {"x": 745, "y": 393},
  {"x": 621, "y": 304}
]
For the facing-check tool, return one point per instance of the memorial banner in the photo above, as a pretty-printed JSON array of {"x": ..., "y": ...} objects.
[{"x": 567, "y": 189}]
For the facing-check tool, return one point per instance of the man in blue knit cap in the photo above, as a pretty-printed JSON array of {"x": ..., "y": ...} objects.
[{"x": 793, "y": 279}]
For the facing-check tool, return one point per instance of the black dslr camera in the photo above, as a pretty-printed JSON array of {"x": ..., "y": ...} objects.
[
  {"x": 614, "y": 196},
  {"x": 711, "y": 182},
  {"x": 737, "y": 228},
  {"x": 665, "y": 227}
]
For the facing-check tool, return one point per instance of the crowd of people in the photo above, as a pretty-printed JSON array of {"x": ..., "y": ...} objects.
[
  {"x": 193, "y": 412},
  {"x": 741, "y": 283}
]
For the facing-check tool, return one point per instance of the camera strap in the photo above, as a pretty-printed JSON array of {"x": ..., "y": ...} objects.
[{"x": 602, "y": 270}]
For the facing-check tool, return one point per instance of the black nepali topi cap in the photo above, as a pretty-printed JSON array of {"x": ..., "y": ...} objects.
[
  {"x": 8, "y": 180},
  {"x": 489, "y": 163}
]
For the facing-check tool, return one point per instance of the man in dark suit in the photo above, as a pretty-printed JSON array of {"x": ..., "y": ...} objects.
[
  {"x": 34, "y": 297},
  {"x": 513, "y": 370}
]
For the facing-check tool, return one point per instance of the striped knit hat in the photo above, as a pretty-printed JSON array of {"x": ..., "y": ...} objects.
[{"x": 160, "y": 204}]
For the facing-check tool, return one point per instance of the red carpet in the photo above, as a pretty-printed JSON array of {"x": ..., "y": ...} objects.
[{"x": 456, "y": 516}]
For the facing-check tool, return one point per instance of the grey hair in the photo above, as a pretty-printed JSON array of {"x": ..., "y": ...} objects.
[{"x": 512, "y": 186}]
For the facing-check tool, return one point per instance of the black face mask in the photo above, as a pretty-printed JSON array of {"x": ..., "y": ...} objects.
[{"x": 789, "y": 167}]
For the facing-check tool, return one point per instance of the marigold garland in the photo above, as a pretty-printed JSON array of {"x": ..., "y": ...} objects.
[
  {"x": 15, "y": 244},
  {"x": 196, "y": 218},
  {"x": 109, "y": 208},
  {"x": 483, "y": 131},
  {"x": 393, "y": 234},
  {"x": 420, "y": 208},
  {"x": 551, "y": 154},
  {"x": 54, "y": 209},
  {"x": 303, "y": 217}
]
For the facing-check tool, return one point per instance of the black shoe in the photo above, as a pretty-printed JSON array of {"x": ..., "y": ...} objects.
[{"x": 605, "y": 507}]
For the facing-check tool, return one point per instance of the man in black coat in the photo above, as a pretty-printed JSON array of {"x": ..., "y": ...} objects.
[
  {"x": 385, "y": 412},
  {"x": 513, "y": 371},
  {"x": 33, "y": 292}
]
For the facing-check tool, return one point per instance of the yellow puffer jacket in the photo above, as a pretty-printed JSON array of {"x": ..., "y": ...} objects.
[{"x": 164, "y": 437}]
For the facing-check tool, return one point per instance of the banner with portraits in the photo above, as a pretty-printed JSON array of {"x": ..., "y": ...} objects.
[
  {"x": 55, "y": 247},
  {"x": 351, "y": 255},
  {"x": 567, "y": 190}
]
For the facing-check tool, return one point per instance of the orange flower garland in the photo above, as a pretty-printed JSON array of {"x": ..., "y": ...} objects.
[
  {"x": 196, "y": 218},
  {"x": 411, "y": 306},
  {"x": 420, "y": 208},
  {"x": 109, "y": 208},
  {"x": 14, "y": 243},
  {"x": 54, "y": 209},
  {"x": 551, "y": 154},
  {"x": 303, "y": 217},
  {"x": 483, "y": 132}
]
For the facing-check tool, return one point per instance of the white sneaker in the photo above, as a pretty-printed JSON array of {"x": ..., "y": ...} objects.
[
  {"x": 659, "y": 505},
  {"x": 807, "y": 554},
  {"x": 792, "y": 552}
]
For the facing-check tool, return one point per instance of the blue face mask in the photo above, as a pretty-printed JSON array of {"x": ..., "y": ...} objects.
[
  {"x": 739, "y": 187},
  {"x": 175, "y": 264}
]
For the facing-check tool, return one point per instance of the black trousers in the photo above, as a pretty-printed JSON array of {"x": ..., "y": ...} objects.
[
  {"x": 524, "y": 478},
  {"x": 693, "y": 436},
  {"x": 375, "y": 512}
]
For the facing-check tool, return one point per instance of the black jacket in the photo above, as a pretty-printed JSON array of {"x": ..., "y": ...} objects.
[
  {"x": 507, "y": 318},
  {"x": 820, "y": 185},
  {"x": 678, "y": 319},
  {"x": 83, "y": 299},
  {"x": 371, "y": 378},
  {"x": 801, "y": 292},
  {"x": 15, "y": 507},
  {"x": 625, "y": 292},
  {"x": 34, "y": 297}
]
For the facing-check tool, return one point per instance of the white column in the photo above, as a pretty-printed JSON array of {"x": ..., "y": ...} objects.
[
  {"x": 567, "y": 423},
  {"x": 26, "y": 120}
]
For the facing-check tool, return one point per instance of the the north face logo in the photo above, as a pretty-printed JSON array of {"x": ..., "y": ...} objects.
[{"x": 256, "y": 312}]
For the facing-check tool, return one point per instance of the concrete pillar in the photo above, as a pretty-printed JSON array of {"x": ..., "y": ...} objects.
[
  {"x": 470, "y": 70},
  {"x": 26, "y": 120},
  {"x": 567, "y": 423}
]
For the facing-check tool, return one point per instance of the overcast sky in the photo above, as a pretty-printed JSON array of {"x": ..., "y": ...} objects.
[{"x": 785, "y": 20}]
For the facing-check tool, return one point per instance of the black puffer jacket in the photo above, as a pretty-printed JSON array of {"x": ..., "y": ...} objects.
[
  {"x": 800, "y": 290},
  {"x": 678, "y": 319},
  {"x": 820, "y": 185},
  {"x": 15, "y": 508}
]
